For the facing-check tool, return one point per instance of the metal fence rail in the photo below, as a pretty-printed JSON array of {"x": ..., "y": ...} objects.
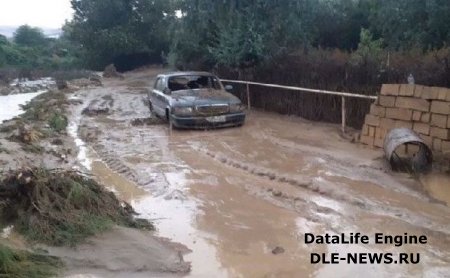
[{"x": 343, "y": 95}]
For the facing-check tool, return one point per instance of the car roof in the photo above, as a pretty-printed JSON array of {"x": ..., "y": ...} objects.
[{"x": 181, "y": 73}]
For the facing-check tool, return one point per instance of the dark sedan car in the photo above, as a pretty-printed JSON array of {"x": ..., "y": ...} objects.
[{"x": 195, "y": 100}]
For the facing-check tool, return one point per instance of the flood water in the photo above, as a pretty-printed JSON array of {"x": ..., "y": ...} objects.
[
  {"x": 438, "y": 186},
  {"x": 10, "y": 105},
  {"x": 233, "y": 196}
]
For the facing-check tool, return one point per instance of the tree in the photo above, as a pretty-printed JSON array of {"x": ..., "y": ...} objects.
[
  {"x": 339, "y": 23},
  {"x": 368, "y": 57},
  {"x": 405, "y": 24},
  {"x": 29, "y": 36},
  {"x": 239, "y": 34},
  {"x": 107, "y": 29},
  {"x": 369, "y": 50},
  {"x": 3, "y": 40}
]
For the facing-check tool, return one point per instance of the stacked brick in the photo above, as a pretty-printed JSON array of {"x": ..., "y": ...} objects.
[{"x": 426, "y": 110}]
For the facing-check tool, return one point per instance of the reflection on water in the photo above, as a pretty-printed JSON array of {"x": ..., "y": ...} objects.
[
  {"x": 10, "y": 105},
  {"x": 118, "y": 184},
  {"x": 438, "y": 186},
  {"x": 174, "y": 217}
]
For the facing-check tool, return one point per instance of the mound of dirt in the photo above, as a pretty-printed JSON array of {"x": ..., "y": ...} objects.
[
  {"x": 61, "y": 207},
  {"x": 111, "y": 72},
  {"x": 45, "y": 106}
]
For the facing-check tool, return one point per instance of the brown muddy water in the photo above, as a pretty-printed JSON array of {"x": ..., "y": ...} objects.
[
  {"x": 438, "y": 186},
  {"x": 236, "y": 197}
]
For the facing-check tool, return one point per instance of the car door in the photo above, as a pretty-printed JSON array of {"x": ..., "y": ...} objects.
[{"x": 157, "y": 97}]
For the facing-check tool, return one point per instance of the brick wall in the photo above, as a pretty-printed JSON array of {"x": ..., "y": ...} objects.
[{"x": 426, "y": 110}]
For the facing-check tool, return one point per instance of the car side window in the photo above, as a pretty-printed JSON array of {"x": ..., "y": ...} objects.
[
  {"x": 156, "y": 83},
  {"x": 159, "y": 84},
  {"x": 216, "y": 83},
  {"x": 162, "y": 85}
]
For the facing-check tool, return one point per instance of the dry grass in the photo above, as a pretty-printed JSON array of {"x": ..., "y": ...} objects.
[
  {"x": 23, "y": 264},
  {"x": 61, "y": 207}
]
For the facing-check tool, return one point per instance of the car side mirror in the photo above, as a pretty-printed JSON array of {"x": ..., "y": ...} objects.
[
  {"x": 229, "y": 88},
  {"x": 167, "y": 91}
]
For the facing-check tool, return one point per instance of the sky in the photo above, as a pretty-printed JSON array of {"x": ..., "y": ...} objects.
[{"x": 38, "y": 13}]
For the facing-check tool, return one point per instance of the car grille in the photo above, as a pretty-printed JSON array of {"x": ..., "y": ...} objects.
[{"x": 214, "y": 109}]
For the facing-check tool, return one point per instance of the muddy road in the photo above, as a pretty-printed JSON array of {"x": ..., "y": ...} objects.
[{"x": 241, "y": 199}]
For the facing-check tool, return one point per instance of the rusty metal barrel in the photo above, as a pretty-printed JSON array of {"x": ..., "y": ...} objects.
[{"x": 420, "y": 160}]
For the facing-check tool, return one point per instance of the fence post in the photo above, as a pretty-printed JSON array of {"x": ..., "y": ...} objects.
[
  {"x": 248, "y": 97},
  {"x": 343, "y": 114}
]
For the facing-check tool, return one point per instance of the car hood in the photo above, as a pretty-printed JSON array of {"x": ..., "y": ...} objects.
[{"x": 203, "y": 97}]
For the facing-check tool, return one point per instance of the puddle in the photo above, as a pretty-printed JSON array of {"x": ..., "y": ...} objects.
[
  {"x": 174, "y": 219},
  {"x": 72, "y": 130},
  {"x": 127, "y": 190},
  {"x": 10, "y": 105},
  {"x": 438, "y": 186}
]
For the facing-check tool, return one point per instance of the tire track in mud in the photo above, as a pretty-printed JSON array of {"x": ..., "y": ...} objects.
[
  {"x": 347, "y": 162},
  {"x": 398, "y": 214},
  {"x": 113, "y": 162},
  {"x": 274, "y": 176},
  {"x": 90, "y": 134}
]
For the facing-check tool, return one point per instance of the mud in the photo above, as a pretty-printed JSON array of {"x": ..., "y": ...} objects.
[
  {"x": 123, "y": 252},
  {"x": 237, "y": 196},
  {"x": 438, "y": 186},
  {"x": 114, "y": 253}
]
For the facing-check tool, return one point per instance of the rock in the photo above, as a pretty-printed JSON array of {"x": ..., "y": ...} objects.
[
  {"x": 57, "y": 142},
  {"x": 111, "y": 72},
  {"x": 278, "y": 250},
  {"x": 96, "y": 79},
  {"x": 276, "y": 193}
]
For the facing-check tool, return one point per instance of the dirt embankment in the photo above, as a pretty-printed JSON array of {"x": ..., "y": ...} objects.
[{"x": 45, "y": 201}]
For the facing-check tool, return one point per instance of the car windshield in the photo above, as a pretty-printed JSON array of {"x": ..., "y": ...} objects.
[{"x": 192, "y": 82}]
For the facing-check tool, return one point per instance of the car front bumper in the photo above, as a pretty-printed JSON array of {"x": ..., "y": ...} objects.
[{"x": 227, "y": 120}]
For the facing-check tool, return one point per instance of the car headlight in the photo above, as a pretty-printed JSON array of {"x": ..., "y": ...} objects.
[
  {"x": 237, "y": 107},
  {"x": 182, "y": 110}
]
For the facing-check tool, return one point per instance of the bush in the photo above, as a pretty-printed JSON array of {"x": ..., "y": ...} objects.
[
  {"x": 336, "y": 70},
  {"x": 61, "y": 207},
  {"x": 58, "y": 122}
]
